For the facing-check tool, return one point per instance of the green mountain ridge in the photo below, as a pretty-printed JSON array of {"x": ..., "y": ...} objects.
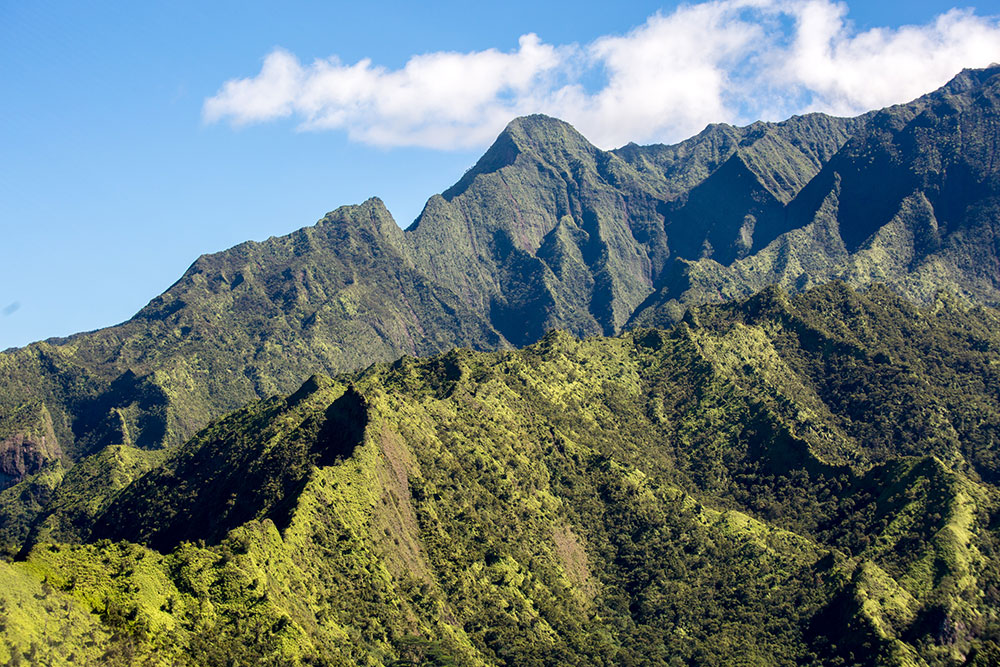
[
  {"x": 911, "y": 200},
  {"x": 545, "y": 231},
  {"x": 803, "y": 479}
]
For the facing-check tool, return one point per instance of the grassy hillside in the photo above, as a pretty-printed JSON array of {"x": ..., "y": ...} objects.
[{"x": 791, "y": 480}]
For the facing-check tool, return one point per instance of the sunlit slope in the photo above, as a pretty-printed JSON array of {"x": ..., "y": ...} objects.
[{"x": 703, "y": 494}]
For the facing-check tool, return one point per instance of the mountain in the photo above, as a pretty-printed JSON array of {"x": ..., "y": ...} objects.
[
  {"x": 912, "y": 200},
  {"x": 548, "y": 231},
  {"x": 545, "y": 231},
  {"x": 731, "y": 401},
  {"x": 791, "y": 479}
]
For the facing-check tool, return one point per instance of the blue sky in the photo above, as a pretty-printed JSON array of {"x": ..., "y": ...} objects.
[{"x": 136, "y": 136}]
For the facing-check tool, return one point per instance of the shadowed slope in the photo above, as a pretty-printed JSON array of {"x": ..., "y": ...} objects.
[
  {"x": 912, "y": 200},
  {"x": 250, "y": 466}
]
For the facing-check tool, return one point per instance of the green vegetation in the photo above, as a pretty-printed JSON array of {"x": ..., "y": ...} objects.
[
  {"x": 765, "y": 467},
  {"x": 910, "y": 200},
  {"x": 793, "y": 480},
  {"x": 546, "y": 231}
]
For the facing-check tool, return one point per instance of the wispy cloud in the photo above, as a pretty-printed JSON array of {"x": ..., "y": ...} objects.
[{"x": 723, "y": 60}]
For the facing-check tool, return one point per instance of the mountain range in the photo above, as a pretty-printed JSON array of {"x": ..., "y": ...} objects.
[{"x": 730, "y": 401}]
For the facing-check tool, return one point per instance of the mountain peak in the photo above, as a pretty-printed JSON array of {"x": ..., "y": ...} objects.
[
  {"x": 370, "y": 206},
  {"x": 541, "y": 133},
  {"x": 370, "y": 215},
  {"x": 543, "y": 136},
  {"x": 968, "y": 81},
  {"x": 536, "y": 124}
]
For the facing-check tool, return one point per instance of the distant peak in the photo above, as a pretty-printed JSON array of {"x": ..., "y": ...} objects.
[
  {"x": 371, "y": 206},
  {"x": 544, "y": 136},
  {"x": 538, "y": 130},
  {"x": 375, "y": 205},
  {"x": 967, "y": 80},
  {"x": 989, "y": 70},
  {"x": 534, "y": 121},
  {"x": 371, "y": 214}
]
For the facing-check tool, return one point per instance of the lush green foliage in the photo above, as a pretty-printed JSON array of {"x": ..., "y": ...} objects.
[{"x": 792, "y": 480}]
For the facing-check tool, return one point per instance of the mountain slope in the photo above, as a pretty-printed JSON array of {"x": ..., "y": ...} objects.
[
  {"x": 249, "y": 322},
  {"x": 545, "y": 231},
  {"x": 791, "y": 480},
  {"x": 911, "y": 200},
  {"x": 548, "y": 231}
]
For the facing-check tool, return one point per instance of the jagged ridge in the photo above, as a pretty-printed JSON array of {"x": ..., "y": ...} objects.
[{"x": 545, "y": 231}]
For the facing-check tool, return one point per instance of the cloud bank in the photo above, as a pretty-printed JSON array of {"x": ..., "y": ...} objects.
[{"x": 719, "y": 61}]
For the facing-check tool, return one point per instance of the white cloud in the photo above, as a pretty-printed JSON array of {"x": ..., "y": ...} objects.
[
  {"x": 669, "y": 76},
  {"x": 849, "y": 74},
  {"x": 438, "y": 99},
  {"x": 267, "y": 96},
  {"x": 722, "y": 60}
]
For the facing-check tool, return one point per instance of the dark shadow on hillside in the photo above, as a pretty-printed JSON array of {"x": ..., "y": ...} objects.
[{"x": 240, "y": 471}]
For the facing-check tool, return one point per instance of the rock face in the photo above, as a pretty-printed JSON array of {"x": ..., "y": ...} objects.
[
  {"x": 27, "y": 442},
  {"x": 911, "y": 200},
  {"x": 20, "y": 457},
  {"x": 546, "y": 231}
]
